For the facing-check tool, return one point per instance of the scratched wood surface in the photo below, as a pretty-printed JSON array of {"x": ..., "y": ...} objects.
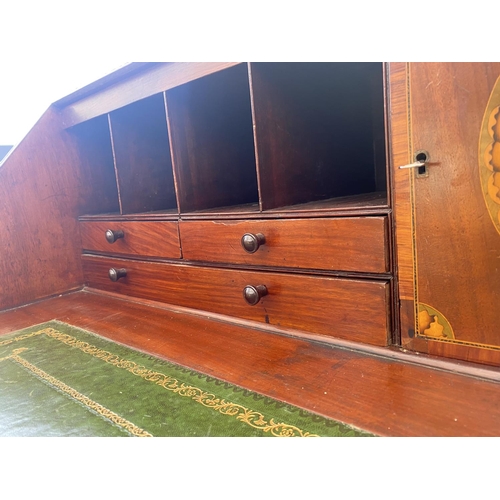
[
  {"x": 378, "y": 394},
  {"x": 349, "y": 309},
  {"x": 456, "y": 244},
  {"x": 146, "y": 238},
  {"x": 356, "y": 244}
]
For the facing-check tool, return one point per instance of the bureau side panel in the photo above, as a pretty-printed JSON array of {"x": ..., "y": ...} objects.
[{"x": 39, "y": 198}]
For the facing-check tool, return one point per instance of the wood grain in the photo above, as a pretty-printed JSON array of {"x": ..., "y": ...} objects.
[
  {"x": 359, "y": 205},
  {"x": 402, "y": 217},
  {"x": 380, "y": 395},
  {"x": 153, "y": 239},
  {"x": 399, "y": 146},
  {"x": 342, "y": 244},
  {"x": 457, "y": 244},
  {"x": 40, "y": 185},
  {"x": 314, "y": 130},
  {"x": 138, "y": 86},
  {"x": 212, "y": 143},
  {"x": 342, "y": 308}
]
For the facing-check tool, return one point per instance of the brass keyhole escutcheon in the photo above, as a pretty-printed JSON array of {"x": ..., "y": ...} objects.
[{"x": 424, "y": 157}]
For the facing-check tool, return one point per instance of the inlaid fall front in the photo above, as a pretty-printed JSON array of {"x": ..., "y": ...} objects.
[
  {"x": 453, "y": 109},
  {"x": 489, "y": 156}
]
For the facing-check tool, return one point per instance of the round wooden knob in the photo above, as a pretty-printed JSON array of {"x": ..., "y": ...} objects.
[
  {"x": 116, "y": 274},
  {"x": 252, "y": 294},
  {"x": 112, "y": 236},
  {"x": 252, "y": 242}
]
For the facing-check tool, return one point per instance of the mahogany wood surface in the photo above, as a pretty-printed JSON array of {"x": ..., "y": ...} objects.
[
  {"x": 142, "y": 156},
  {"x": 171, "y": 214},
  {"x": 212, "y": 142},
  {"x": 343, "y": 244},
  {"x": 349, "y": 309},
  {"x": 365, "y": 204},
  {"x": 40, "y": 200},
  {"x": 456, "y": 243},
  {"x": 138, "y": 86},
  {"x": 402, "y": 191},
  {"x": 399, "y": 146},
  {"x": 153, "y": 239},
  {"x": 380, "y": 395},
  {"x": 313, "y": 130},
  {"x": 446, "y": 209}
]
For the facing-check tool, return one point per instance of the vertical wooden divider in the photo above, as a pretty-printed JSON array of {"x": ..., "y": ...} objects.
[
  {"x": 172, "y": 156},
  {"x": 254, "y": 128},
  {"x": 142, "y": 157},
  {"x": 211, "y": 141},
  {"x": 114, "y": 163},
  {"x": 402, "y": 185}
]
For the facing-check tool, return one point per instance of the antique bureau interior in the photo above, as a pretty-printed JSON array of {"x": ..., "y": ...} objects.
[{"x": 238, "y": 219}]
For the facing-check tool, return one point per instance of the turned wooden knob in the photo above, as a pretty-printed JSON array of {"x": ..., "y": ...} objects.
[
  {"x": 116, "y": 274},
  {"x": 252, "y": 294},
  {"x": 112, "y": 236},
  {"x": 251, "y": 242}
]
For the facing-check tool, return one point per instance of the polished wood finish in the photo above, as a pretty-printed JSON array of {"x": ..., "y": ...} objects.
[
  {"x": 145, "y": 238},
  {"x": 212, "y": 143},
  {"x": 139, "y": 86},
  {"x": 447, "y": 242},
  {"x": 314, "y": 130},
  {"x": 402, "y": 192},
  {"x": 356, "y": 244},
  {"x": 319, "y": 337},
  {"x": 374, "y": 393},
  {"x": 142, "y": 156},
  {"x": 340, "y": 308},
  {"x": 367, "y": 204},
  {"x": 161, "y": 215},
  {"x": 40, "y": 197},
  {"x": 459, "y": 275}
]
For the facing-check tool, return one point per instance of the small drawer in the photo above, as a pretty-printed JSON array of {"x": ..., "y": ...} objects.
[
  {"x": 356, "y": 310},
  {"x": 151, "y": 239},
  {"x": 357, "y": 244}
]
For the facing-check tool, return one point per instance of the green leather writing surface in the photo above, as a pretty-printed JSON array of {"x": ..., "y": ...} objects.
[{"x": 58, "y": 380}]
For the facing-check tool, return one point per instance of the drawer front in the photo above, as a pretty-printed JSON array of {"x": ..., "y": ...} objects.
[
  {"x": 356, "y": 244},
  {"x": 356, "y": 310},
  {"x": 151, "y": 239}
]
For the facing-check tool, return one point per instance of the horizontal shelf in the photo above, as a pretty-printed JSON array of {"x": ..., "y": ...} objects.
[
  {"x": 355, "y": 202},
  {"x": 363, "y": 204},
  {"x": 244, "y": 209},
  {"x": 171, "y": 214}
]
